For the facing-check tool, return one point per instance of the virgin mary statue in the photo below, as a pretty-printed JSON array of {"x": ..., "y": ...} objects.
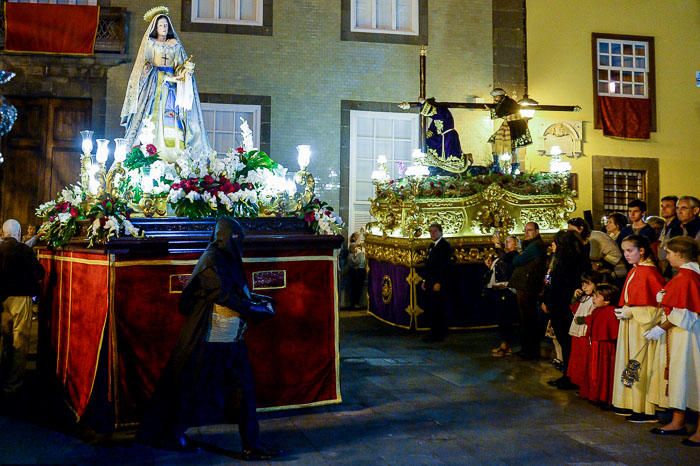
[{"x": 162, "y": 90}]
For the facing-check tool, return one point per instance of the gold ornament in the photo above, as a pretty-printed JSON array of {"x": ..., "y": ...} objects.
[{"x": 155, "y": 11}]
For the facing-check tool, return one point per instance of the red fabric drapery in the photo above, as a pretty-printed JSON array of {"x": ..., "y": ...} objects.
[
  {"x": 625, "y": 117},
  {"x": 59, "y": 29}
]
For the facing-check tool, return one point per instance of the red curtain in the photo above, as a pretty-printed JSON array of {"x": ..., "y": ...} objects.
[
  {"x": 59, "y": 29},
  {"x": 625, "y": 117}
]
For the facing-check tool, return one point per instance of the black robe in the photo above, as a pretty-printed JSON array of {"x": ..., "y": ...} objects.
[{"x": 191, "y": 391}]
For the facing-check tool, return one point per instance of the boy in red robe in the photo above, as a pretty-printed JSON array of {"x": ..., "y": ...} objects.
[
  {"x": 603, "y": 327},
  {"x": 580, "y": 343}
]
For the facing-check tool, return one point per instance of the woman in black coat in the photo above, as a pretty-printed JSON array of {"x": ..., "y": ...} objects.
[{"x": 569, "y": 260}]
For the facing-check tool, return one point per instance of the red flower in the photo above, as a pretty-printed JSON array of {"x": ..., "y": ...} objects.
[
  {"x": 103, "y": 220},
  {"x": 73, "y": 212},
  {"x": 309, "y": 217},
  {"x": 250, "y": 186},
  {"x": 151, "y": 149},
  {"x": 240, "y": 150},
  {"x": 175, "y": 186},
  {"x": 226, "y": 187},
  {"x": 208, "y": 179},
  {"x": 236, "y": 187}
]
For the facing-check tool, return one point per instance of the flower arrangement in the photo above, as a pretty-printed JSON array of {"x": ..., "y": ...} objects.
[
  {"x": 110, "y": 219},
  {"x": 211, "y": 197},
  {"x": 107, "y": 217},
  {"x": 321, "y": 218},
  {"x": 61, "y": 216}
]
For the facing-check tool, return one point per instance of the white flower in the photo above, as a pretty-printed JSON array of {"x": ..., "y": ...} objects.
[
  {"x": 212, "y": 202},
  {"x": 193, "y": 196},
  {"x": 42, "y": 210},
  {"x": 175, "y": 195},
  {"x": 95, "y": 225},
  {"x": 206, "y": 196},
  {"x": 217, "y": 167},
  {"x": 129, "y": 228},
  {"x": 111, "y": 224},
  {"x": 224, "y": 199},
  {"x": 247, "y": 135},
  {"x": 63, "y": 217}
]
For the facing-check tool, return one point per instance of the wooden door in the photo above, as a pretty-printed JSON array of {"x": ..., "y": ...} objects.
[{"x": 42, "y": 153}]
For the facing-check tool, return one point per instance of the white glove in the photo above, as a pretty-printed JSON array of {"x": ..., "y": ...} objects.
[
  {"x": 655, "y": 333},
  {"x": 660, "y": 296},
  {"x": 623, "y": 313}
]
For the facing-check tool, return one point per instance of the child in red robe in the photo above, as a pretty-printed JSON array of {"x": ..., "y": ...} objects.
[
  {"x": 638, "y": 313},
  {"x": 580, "y": 343},
  {"x": 603, "y": 327}
]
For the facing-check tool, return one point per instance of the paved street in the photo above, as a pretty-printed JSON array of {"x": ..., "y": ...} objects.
[{"x": 405, "y": 402}]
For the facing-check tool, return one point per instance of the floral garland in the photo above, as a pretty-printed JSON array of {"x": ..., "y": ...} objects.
[
  {"x": 468, "y": 185},
  {"x": 321, "y": 218}
]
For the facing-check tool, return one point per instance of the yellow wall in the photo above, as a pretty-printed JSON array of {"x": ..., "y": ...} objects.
[{"x": 559, "y": 70}]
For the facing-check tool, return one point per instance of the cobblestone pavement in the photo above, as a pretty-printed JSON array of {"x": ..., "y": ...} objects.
[{"x": 404, "y": 402}]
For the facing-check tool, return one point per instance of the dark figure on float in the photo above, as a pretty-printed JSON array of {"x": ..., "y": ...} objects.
[
  {"x": 511, "y": 135},
  {"x": 444, "y": 151}
]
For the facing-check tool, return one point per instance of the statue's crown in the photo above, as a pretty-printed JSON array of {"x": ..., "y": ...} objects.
[{"x": 156, "y": 11}]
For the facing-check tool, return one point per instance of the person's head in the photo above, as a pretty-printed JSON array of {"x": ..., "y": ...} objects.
[
  {"x": 604, "y": 295},
  {"x": 567, "y": 244},
  {"x": 636, "y": 210},
  {"x": 687, "y": 208},
  {"x": 532, "y": 230},
  {"x": 31, "y": 230},
  {"x": 12, "y": 229},
  {"x": 657, "y": 223},
  {"x": 435, "y": 231},
  {"x": 681, "y": 250},
  {"x": 512, "y": 243},
  {"x": 668, "y": 207},
  {"x": 636, "y": 249},
  {"x": 355, "y": 237},
  {"x": 579, "y": 225},
  {"x": 163, "y": 28},
  {"x": 615, "y": 223},
  {"x": 589, "y": 280},
  {"x": 498, "y": 94},
  {"x": 228, "y": 236}
]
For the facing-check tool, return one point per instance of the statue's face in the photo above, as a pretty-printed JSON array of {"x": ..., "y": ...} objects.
[{"x": 162, "y": 27}]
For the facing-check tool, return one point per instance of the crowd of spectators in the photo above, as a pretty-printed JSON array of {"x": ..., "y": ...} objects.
[{"x": 621, "y": 304}]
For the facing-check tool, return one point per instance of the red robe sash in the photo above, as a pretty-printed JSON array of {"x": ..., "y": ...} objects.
[
  {"x": 683, "y": 292},
  {"x": 643, "y": 282}
]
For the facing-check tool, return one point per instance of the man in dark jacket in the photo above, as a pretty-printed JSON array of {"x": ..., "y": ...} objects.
[
  {"x": 20, "y": 274},
  {"x": 435, "y": 273},
  {"x": 528, "y": 279},
  {"x": 208, "y": 377}
]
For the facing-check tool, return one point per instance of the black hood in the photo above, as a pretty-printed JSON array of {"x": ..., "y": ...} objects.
[{"x": 228, "y": 236}]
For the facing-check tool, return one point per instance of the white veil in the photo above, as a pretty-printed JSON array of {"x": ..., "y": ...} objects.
[{"x": 132, "y": 89}]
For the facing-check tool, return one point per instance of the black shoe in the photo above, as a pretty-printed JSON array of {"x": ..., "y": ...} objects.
[
  {"x": 259, "y": 454},
  {"x": 554, "y": 382},
  {"x": 660, "y": 431},
  {"x": 621, "y": 411},
  {"x": 639, "y": 418},
  {"x": 689, "y": 443},
  {"x": 566, "y": 384}
]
